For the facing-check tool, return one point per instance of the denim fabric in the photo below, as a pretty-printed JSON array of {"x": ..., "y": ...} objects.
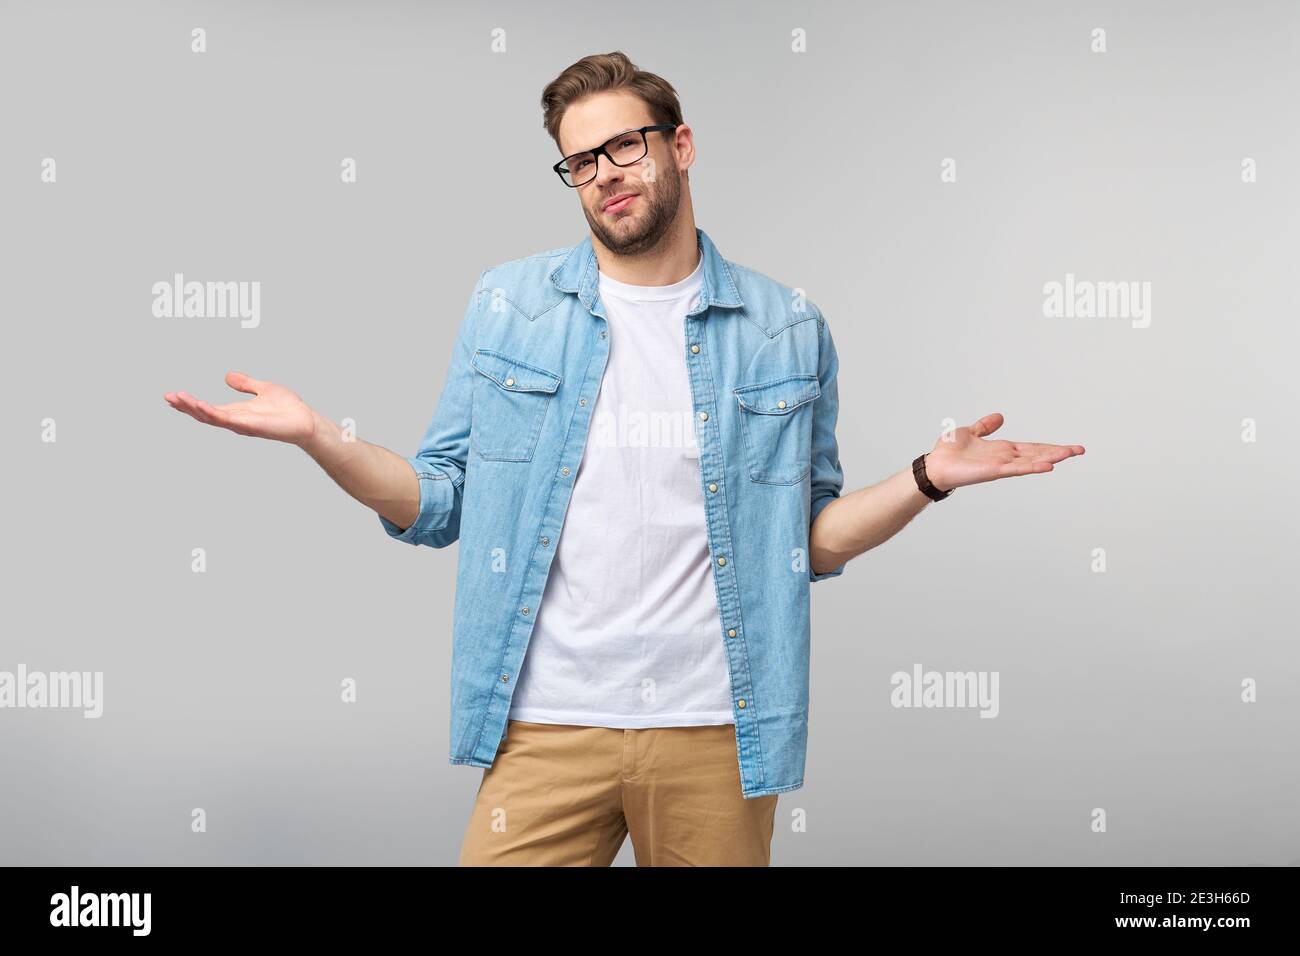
[{"x": 497, "y": 464}]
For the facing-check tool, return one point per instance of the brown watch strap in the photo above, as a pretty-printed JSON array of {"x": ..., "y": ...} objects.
[{"x": 923, "y": 481}]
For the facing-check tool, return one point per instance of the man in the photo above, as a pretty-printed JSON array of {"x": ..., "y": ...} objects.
[{"x": 635, "y": 447}]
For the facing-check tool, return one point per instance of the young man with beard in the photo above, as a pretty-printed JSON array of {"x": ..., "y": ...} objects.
[{"x": 635, "y": 448}]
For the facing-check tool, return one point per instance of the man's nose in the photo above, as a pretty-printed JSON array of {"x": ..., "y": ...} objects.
[{"x": 606, "y": 171}]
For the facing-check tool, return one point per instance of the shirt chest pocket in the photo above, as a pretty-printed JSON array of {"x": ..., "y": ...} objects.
[
  {"x": 776, "y": 427},
  {"x": 511, "y": 398}
]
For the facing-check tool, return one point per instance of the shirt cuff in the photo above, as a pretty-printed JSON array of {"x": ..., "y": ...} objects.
[{"x": 435, "y": 489}]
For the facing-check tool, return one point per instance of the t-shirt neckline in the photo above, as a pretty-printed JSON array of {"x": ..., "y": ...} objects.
[{"x": 653, "y": 293}]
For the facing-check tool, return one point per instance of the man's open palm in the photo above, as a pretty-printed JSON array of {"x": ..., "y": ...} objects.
[
  {"x": 275, "y": 411},
  {"x": 970, "y": 458}
]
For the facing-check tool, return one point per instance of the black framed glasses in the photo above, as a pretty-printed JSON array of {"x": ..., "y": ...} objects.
[{"x": 622, "y": 149}]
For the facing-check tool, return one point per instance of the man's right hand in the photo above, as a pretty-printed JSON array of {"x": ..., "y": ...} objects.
[
  {"x": 380, "y": 479},
  {"x": 274, "y": 411}
]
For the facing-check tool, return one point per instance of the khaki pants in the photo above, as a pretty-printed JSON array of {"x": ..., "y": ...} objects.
[{"x": 564, "y": 795}]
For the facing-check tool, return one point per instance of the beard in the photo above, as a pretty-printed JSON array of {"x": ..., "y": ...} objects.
[{"x": 637, "y": 235}]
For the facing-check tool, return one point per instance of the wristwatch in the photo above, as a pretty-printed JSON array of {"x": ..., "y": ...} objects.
[{"x": 923, "y": 481}]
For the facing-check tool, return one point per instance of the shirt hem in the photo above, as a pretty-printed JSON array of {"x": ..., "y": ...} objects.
[
  {"x": 531, "y": 715},
  {"x": 771, "y": 790}
]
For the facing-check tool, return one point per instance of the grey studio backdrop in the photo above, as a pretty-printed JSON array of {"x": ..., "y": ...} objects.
[{"x": 1119, "y": 690}]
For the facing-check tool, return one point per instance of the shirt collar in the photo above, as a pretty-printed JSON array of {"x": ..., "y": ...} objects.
[{"x": 578, "y": 272}]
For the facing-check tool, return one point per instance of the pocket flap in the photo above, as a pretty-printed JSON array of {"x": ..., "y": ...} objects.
[
  {"x": 513, "y": 374},
  {"x": 779, "y": 397}
]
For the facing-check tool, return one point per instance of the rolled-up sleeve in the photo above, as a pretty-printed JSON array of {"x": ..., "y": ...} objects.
[
  {"x": 440, "y": 463},
  {"x": 827, "y": 477}
]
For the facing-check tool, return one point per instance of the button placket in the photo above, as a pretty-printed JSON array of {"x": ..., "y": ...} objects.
[
  {"x": 555, "y": 508},
  {"x": 715, "y": 512}
]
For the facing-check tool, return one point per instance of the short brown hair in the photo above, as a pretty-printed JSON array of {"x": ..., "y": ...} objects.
[{"x": 607, "y": 71}]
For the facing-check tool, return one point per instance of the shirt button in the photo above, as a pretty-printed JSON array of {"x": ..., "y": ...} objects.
[
  {"x": 545, "y": 541},
  {"x": 741, "y": 702},
  {"x": 603, "y": 333},
  {"x": 564, "y": 470},
  {"x": 582, "y": 401},
  {"x": 713, "y": 486},
  {"x": 780, "y": 404},
  {"x": 722, "y": 560},
  {"x": 695, "y": 348},
  {"x": 505, "y": 678},
  {"x": 510, "y": 381},
  {"x": 524, "y": 609},
  {"x": 731, "y": 632},
  {"x": 704, "y": 416}
]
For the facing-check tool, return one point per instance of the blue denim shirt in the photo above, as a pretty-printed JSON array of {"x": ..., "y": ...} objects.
[{"x": 497, "y": 465}]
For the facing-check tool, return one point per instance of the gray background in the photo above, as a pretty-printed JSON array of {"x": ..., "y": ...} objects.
[{"x": 1118, "y": 690}]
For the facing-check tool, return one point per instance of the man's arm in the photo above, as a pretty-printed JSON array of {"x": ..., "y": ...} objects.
[
  {"x": 373, "y": 475},
  {"x": 380, "y": 479},
  {"x": 858, "y": 522},
  {"x": 417, "y": 499},
  {"x": 844, "y": 527},
  {"x": 439, "y": 465}
]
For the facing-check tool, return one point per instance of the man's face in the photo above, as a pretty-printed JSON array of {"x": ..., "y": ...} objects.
[{"x": 625, "y": 226}]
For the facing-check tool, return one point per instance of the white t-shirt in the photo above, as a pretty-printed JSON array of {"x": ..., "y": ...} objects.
[{"x": 628, "y": 632}]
